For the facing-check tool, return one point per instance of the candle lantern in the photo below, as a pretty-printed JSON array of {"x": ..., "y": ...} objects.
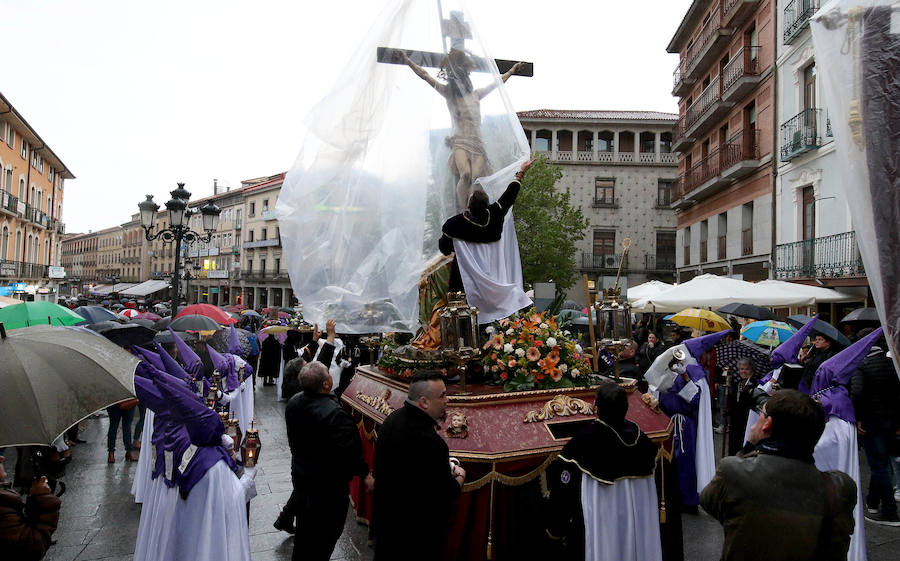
[
  {"x": 251, "y": 447},
  {"x": 459, "y": 324},
  {"x": 233, "y": 429},
  {"x": 213, "y": 396}
]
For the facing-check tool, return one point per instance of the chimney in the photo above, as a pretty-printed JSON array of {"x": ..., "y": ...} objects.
[{"x": 215, "y": 186}]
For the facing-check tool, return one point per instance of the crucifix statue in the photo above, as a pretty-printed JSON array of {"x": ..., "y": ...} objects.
[{"x": 468, "y": 159}]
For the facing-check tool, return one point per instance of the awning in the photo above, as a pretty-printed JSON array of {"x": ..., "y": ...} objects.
[
  {"x": 106, "y": 289},
  {"x": 100, "y": 288},
  {"x": 145, "y": 288}
]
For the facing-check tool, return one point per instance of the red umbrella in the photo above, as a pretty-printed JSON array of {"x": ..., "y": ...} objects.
[
  {"x": 129, "y": 313},
  {"x": 148, "y": 315},
  {"x": 208, "y": 310},
  {"x": 129, "y": 304},
  {"x": 235, "y": 309}
]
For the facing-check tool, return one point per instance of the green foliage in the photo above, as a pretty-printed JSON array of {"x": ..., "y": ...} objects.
[{"x": 548, "y": 227}]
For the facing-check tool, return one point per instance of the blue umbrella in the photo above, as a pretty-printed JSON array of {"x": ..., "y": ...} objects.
[
  {"x": 95, "y": 314},
  {"x": 767, "y": 332},
  {"x": 251, "y": 313}
]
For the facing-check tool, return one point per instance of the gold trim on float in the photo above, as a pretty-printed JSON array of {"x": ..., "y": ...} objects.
[
  {"x": 379, "y": 402},
  {"x": 559, "y": 406}
]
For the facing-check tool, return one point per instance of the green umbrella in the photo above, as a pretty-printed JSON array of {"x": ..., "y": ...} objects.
[
  {"x": 52, "y": 377},
  {"x": 37, "y": 313}
]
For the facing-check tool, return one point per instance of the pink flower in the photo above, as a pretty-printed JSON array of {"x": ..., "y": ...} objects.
[
  {"x": 511, "y": 363},
  {"x": 538, "y": 343},
  {"x": 532, "y": 354}
]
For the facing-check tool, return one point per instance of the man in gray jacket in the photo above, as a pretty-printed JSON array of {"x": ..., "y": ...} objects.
[{"x": 771, "y": 500}]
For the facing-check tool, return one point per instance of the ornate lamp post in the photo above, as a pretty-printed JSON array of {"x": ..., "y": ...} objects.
[{"x": 179, "y": 226}]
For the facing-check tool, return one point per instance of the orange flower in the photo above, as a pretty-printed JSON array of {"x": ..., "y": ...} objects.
[
  {"x": 532, "y": 354},
  {"x": 504, "y": 322},
  {"x": 550, "y": 365},
  {"x": 497, "y": 342},
  {"x": 512, "y": 363}
]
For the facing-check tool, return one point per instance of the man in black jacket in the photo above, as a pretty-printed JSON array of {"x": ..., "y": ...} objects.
[
  {"x": 417, "y": 484},
  {"x": 875, "y": 390},
  {"x": 326, "y": 453}
]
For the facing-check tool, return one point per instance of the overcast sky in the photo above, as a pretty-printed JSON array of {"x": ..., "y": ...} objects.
[{"x": 134, "y": 96}]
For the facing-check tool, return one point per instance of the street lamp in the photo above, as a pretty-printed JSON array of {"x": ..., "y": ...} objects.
[{"x": 179, "y": 225}]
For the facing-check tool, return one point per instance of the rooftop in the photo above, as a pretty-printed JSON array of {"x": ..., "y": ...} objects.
[{"x": 595, "y": 115}]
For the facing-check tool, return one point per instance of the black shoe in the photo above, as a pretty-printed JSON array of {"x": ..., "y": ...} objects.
[
  {"x": 285, "y": 523},
  {"x": 883, "y": 519}
]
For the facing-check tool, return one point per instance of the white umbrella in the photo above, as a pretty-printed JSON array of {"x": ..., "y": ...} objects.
[
  {"x": 712, "y": 291},
  {"x": 648, "y": 289},
  {"x": 53, "y": 376}
]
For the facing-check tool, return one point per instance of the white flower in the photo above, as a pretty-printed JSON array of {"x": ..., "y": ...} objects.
[
  {"x": 520, "y": 352},
  {"x": 507, "y": 348},
  {"x": 510, "y": 331},
  {"x": 551, "y": 342},
  {"x": 578, "y": 349},
  {"x": 543, "y": 326},
  {"x": 567, "y": 333},
  {"x": 563, "y": 367},
  {"x": 490, "y": 330},
  {"x": 575, "y": 373}
]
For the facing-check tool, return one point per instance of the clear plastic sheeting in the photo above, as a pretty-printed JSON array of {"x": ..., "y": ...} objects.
[
  {"x": 857, "y": 46},
  {"x": 361, "y": 210}
]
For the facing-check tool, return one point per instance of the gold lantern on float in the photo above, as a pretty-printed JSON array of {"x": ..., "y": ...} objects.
[
  {"x": 459, "y": 334},
  {"x": 614, "y": 316},
  {"x": 251, "y": 447}
]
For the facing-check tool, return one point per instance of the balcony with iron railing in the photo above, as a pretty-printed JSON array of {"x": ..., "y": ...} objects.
[
  {"x": 22, "y": 270},
  {"x": 701, "y": 115},
  {"x": 708, "y": 41},
  {"x": 802, "y": 133},
  {"x": 796, "y": 18},
  {"x": 595, "y": 262},
  {"x": 8, "y": 202},
  {"x": 741, "y": 74},
  {"x": 735, "y": 159},
  {"x": 264, "y": 275},
  {"x": 661, "y": 262},
  {"x": 747, "y": 241},
  {"x": 834, "y": 256},
  {"x": 609, "y": 157}
]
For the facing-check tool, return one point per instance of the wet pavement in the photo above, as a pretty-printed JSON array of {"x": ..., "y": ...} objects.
[{"x": 99, "y": 518}]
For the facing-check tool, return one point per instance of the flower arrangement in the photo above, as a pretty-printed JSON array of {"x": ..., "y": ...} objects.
[{"x": 530, "y": 351}]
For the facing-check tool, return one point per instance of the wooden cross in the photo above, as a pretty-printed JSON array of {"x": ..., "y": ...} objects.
[{"x": 457, "y": 30}]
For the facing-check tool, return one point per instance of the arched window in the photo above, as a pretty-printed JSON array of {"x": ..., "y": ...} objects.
[
  {"x": 4, "y": 243},
  {"x": 47, "y": 252},
  {"x": 22, "y": 190}
]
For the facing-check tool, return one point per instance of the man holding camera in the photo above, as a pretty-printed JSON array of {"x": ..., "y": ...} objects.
[{"x": 26, "y": 527}]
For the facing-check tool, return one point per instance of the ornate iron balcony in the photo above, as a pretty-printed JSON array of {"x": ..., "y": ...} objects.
[
  {"x": 796, "y": 18},
  {"x": 800, "y": 134},
  {"x": 832, "y": 256}
]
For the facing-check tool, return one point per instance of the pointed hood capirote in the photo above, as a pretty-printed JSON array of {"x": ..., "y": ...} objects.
[
  {"x": 829, "y": 386},
  {"x": 170, "y": 365},
  {"x": 202, "y": 423},
  {"x": 234, "y": 343},
  {"x": 191, "y": 360},
  {"x": 699, "y": 345},
  {"x": 787, "y": 352},
  {"x": 226, "y": 367},
  {"x": 149, "y": 356}
]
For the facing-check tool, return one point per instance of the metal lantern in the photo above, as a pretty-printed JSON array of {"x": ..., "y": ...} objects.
[
  {"x": 614, "y": 316},
  {"x": 212, "y": 398},
  {"x": 233, "y": 429},
  {"x": 251, "y": 447},
  {"x": 459, "y": 324}
]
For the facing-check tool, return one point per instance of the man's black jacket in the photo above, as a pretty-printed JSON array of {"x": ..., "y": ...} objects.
[{"x": 325, "y": 444}]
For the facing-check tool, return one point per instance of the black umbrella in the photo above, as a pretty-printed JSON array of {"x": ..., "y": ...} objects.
[
  {"x": 94, "y": 314},
  {"x": 165, "y": 337},
  {"x": 126, "y": 335},
  {"x": 148, "y": 323},
  {"x": 746, "y": 311},
  {"x": 194, "y": 323},
  {"x": 859, "y": 314},
  {"x": 163, "y": 323},
  {"x": 727, "y": 355},
  {"x": 219, "y": 341},
  {"x": 820, "y": 328},
  {"x": 117, "y": 306},
  {"x": 102, "y": 326}
]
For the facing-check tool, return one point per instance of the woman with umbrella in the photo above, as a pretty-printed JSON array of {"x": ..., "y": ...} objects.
[{"x": 823, "y": 348}]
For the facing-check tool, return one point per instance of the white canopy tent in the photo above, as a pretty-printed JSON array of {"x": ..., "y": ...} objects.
[
  {"x": 648, "y": 289},
  {"x": 145, "y": 288},
  {"x": 713, "y": 292}
]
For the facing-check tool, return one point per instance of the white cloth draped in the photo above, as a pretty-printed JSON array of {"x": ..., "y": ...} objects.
[
  {"x": 211, "y": 524},
  {"x": 752, "y": 416},
  {"x": 141, "y": 484},
  {"x": 837, "y": 450},
  {"x": 155, "y": 526},
  {"x": 280, "y": 379},
  {"x": 242, "y": 404},
  {"x": 705, "y": 458},
  {"x": 492, "y": 274},
  {"x": 621, "y": 521}
]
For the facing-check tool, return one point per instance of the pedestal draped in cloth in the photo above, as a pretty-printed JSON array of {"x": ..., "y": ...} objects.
[
  {"x": 492, "y": 274},
  {"x": 212, "y": 522},
  {"x": 837, "y": 450},
  {"x": 141, "y": 485},
  {"x": 705, "y": 459},
  {"x": 157, "y": 515},
  {"x": 621, "y": 521}
]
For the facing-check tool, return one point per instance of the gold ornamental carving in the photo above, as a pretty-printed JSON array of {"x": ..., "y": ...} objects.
[
  {"x": 559, "y": 406},
  {"x": 379, "y": 403}
]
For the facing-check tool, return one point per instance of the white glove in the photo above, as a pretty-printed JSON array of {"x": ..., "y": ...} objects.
[
  {"x": 248, "y": 482},
  {"x": 226, "y": 398},
  {"x": 227, "y": 442},
  {"x": 678, "y": 368}
]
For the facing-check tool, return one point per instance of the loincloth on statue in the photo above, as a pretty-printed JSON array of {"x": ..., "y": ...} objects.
[{"x": 471, "y": 145}]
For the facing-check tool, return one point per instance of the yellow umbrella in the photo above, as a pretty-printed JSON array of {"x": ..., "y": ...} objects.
[{"x": 701, "y": 320}]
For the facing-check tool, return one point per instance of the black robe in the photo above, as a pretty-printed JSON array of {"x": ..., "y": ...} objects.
[
  {"x": 485, "y": 228},
  {"x": 414, "y": 490}
]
